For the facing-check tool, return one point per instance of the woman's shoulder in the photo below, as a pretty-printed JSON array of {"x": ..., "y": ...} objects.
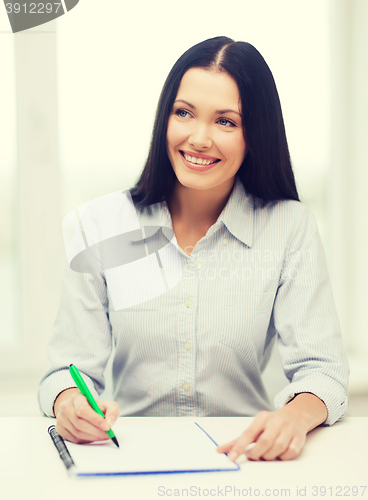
[
  {"x": 105, "y": 202},
  {"x": 99, "y": 219},
  {"x": 111, "y": 206},
  {"x": 283, "y": 210},
  {"x": 286, "y": 220},
  {"x": 110, "y": 215}
]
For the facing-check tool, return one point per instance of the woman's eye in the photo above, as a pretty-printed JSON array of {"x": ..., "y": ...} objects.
[
  {"x": 182, "y": 113},
  {"x": 226, "y": 123}
]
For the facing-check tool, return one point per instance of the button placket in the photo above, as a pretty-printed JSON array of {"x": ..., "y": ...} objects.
[{"x": 186, "y": 338}]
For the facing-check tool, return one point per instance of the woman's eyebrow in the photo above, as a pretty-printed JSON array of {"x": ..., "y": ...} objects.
[
  {"x": 222, "y": 111},
  {"x": 219, "y": 111},
  {"x": 185, "y": 102}
]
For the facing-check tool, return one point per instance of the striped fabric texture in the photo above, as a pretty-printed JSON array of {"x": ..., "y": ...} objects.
[{"x": 191, "y": 335}]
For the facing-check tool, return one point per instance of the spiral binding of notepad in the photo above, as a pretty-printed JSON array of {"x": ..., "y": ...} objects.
[{"x": 61, "y": 448}]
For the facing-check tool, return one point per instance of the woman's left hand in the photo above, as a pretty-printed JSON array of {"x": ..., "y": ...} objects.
[{"x": 276, "y": 434}]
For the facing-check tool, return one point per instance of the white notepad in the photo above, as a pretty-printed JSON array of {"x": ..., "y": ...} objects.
[{"x": 167, "y": 448}]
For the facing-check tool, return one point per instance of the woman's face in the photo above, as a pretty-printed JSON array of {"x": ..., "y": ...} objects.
[{"x": 205, "y": 141}]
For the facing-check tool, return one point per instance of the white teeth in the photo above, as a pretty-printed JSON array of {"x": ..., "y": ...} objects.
[{"x": 199, "y": 161}]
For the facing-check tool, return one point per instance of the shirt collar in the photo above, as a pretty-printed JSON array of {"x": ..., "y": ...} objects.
[{"x": 237, "y": 215}]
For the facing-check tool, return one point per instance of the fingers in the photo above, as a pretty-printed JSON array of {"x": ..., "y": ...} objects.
[
  {"x": 269, "y": 437},
  {"x": 79, "y": 423},
  {"x": 78, "y": 432},
  {"x": 111, "y": 411},
  {"x": 282, "y": 441},
  {"x": 270, "y": 445},
  {"x": 249, "y": 436},
  {"x": 225, "y": 448},
  {"x": 294, "y": 449}
]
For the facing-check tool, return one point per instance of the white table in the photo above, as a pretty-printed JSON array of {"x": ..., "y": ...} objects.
[{"x": 334, "y": 458}]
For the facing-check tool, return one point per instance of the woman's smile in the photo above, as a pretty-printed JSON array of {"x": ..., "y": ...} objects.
[
  {"x": 198, "y": 162},
  {"x": 200, "y": 159}
]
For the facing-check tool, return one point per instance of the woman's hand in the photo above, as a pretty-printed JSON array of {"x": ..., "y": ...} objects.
[
  {"x": 77, "y": 422},
  {"x": 280, "y": 434},
  {"x": 274, "y": 435}
]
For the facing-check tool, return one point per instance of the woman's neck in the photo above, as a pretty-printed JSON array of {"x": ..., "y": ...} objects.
[{"x": 198, "y": 209}]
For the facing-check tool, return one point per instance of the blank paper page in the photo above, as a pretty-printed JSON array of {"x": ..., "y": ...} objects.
[{"x": 171, "y": 447}]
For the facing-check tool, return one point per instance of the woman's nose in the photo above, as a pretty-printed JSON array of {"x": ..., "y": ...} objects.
[{"x": 200, "y": 137}]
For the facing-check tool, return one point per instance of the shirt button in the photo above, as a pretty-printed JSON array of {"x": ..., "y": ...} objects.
[
  {"x": 188, "y": 303},
  {"x": 186, "y": 387},
  {"x": 225, "y": 241},
  {"x": 187, "y": 346},
  {"x": 215, "y": 229},
  {"x": 198, "y": 265}
]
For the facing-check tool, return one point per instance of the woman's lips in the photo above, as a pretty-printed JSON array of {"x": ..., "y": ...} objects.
[
  {"x": 201, "y": 167},
  {"x": 198, "y": 155}
]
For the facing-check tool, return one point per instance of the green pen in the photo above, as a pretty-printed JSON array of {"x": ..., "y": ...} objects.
[{"x": 77, "y": 377}]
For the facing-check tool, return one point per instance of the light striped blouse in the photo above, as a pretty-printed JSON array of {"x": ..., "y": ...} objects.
[{"x": 191, "y": 335}]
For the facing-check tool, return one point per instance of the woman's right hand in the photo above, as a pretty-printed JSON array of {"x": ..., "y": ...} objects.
[{"x": 77, "y": 422}]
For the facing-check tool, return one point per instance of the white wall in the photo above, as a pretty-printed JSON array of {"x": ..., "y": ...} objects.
[{"x": 84, "y": 100}]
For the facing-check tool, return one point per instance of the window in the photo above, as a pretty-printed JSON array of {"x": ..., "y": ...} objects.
[{"x": 10, "y": 331}]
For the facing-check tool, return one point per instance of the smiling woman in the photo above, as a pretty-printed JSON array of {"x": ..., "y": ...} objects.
[
  {"x": 242, "y": 269},
  {"x": 204, "y": 138}
]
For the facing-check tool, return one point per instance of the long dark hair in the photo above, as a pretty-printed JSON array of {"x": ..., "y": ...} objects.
[{"x": 266, "y": 171}]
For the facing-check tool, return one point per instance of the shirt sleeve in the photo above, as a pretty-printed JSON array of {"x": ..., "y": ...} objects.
[
  {"x": 81, "y": 335},
  {"x": 308, "y": 332}
]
